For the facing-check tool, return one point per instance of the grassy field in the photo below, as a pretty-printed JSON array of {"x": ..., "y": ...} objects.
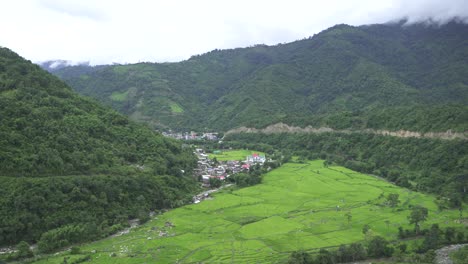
[
  {"x": 176, "y": 108},
  {"x": 234, "y": 154},
  {"x": 119, "y": 97},
  {"x": 298, "y": 206}
]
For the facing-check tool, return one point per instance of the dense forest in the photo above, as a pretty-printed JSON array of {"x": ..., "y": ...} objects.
[
  {"x": 428, "y": 165},
  {"x": 72, "y": 170},
  {"x": 383, "y": 76}
]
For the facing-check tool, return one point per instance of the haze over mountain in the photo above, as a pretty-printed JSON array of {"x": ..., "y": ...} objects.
[
  {"x": 382, "y": 76},
  {"x": 52, "y": 65}
]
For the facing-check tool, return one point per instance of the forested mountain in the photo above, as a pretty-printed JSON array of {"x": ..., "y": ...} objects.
[
  {"x": 73, "y": 170},
  {"x": 384, "y": 76}
]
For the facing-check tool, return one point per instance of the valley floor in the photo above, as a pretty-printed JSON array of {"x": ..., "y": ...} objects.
[{"x": 299, "y": 206}]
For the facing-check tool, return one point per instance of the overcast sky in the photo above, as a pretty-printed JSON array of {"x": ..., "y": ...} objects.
[{"x": 107, "y": 31}]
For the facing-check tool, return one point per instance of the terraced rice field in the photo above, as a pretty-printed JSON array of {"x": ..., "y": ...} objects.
[{"x": 298, "y": 206}]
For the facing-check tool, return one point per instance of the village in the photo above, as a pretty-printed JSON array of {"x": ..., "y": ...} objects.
[
  {"x": 212, "y": 169},
  {"x": 192, "y": 135}
]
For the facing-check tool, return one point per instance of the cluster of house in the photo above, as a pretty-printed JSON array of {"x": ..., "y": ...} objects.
[
  {"x": 192, "y": 135},
  {"x": 255, "y": 158},
  {"x": 208, "y": 168}
]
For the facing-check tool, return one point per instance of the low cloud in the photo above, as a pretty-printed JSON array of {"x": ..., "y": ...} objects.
[
  {"x": 108, "y": 31},
  {"x": 432, "y": 11},
  {"x": 79, "y": 9}
]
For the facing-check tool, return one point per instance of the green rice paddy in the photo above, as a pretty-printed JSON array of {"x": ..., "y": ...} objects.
[{"x": 298, "y": 206}]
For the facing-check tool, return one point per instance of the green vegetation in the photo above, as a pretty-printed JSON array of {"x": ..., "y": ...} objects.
[
  {"x": 298, "y": 207},
  {"x": 300, "y": 257},
  {"x": 428, "y": 165},
  {"x": 72, "y": 170},
  {"x": 238, "y": 154},
  {"x": 418, "y": 215},
  {"x": 389, "y": 76},
  {"x": 176, "y": 108},
  {"x": 460, "y": 256},
  {"x": 120, "y": 97},
  {"x": 49, "y": 130}
]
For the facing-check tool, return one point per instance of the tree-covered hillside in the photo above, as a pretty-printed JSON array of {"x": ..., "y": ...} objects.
[
  {"x": 73, "y": 169},
  {"x": 389, "y": 76}
]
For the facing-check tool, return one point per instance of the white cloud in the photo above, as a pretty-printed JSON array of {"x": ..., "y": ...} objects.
[
  {"x": 109, "y": 31},
  {"x": 83, "y": 9}
]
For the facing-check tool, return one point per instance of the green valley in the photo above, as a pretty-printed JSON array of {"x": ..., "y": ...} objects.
[
  {"x": 299, "y": 206},
  {"x": 385, "y": 76},
  {"x": 347, "y": 145}
]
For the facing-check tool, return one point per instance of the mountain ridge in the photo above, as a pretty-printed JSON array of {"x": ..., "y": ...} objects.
[{"x": 389, "y": 76}]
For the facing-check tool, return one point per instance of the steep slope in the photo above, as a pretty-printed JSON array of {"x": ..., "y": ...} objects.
[
  {"x": 74, "y": 167},
  {"x": 47, "y": 129},
  {"x": 390, "y": 76}
]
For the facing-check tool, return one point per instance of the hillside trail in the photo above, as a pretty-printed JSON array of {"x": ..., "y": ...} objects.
[{"x": 284, "y": 128}]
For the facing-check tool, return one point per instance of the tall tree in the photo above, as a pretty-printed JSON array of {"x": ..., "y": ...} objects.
[
  {"x": 432, "y": 238},
  {"x": 379, "y": 247},
  {"x": 418, "y": 214},
  {"x": 392, "y": 199},
  {"x": 349, "y": 217},
  {"x": 300, "y": 257}
]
